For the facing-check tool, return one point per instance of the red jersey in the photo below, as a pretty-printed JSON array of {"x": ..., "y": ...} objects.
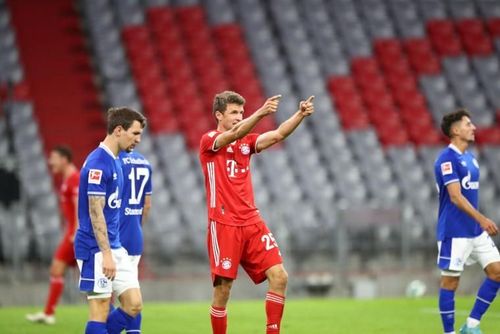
[
  {"x": 67, "y": 194},
  {"x": 228, "y": 181}
]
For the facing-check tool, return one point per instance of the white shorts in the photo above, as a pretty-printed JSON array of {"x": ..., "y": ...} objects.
[
  {"x": 96, "y": 285},
  {"x": 455, "y": 253},
  {"x": 135, "y": 259}
]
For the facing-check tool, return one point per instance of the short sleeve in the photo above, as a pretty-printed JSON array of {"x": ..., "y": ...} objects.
[
  {"x": 149, "y": 185},
  {"x": 207, "y": 141},
  {"x": 447, "y": 170},
  {"x": 97, "y": 176},
  {"x": 252, "y": 142}
]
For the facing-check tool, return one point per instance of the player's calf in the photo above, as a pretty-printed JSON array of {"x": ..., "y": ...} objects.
[
  {"x": 275, "y": 298},
  {"x": 222, "y": 291},
  {"x": 218, "y": 313},
  {"x": 125, "y": 316}
]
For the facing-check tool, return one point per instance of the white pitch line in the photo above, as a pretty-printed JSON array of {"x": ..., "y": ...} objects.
[{"x": 457, "y": 312}]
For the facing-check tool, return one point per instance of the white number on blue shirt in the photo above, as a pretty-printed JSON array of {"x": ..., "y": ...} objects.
[{"x": 139, "y": 173}]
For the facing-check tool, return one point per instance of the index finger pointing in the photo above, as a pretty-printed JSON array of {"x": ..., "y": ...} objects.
[
  {"x": 310, "y": 98},
  {"x": 275, "y": 97}
]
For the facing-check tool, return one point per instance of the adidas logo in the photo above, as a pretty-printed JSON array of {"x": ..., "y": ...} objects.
[{"x": 272, "y": 326}]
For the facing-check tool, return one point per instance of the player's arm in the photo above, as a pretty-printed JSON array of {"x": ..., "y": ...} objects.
[
  {"x": 146, "y": 209},
  {"x": 96, "y": 210},
  {"x": 463, "y": 204},
  {"x": 75, "y": 203},
  {"x": 242, "y": 128},
  {"x": 268, "y": 139}
]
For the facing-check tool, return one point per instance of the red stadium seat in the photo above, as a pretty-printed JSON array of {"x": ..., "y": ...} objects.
[
  {"x": 488, "y": 136},
  {"x": 443, "y": 37},
  {"x": 474, "y": 37},
  {"x": 421, "y": 56}
]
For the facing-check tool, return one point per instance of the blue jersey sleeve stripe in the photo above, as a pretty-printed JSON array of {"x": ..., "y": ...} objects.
[{"x": 451, "y": 181}]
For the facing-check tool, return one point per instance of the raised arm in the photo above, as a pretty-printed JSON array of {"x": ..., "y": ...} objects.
[
  {"x": 268, "y": 139},
  {"x": 463, "y": 204},
  {"x": 242, "y": 128},
  {"x": 96, "y": 210}
]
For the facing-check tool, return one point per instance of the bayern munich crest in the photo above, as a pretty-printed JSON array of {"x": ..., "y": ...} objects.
[
  {"x": 245, "y": 149},
  {"x": 226, "y": 263}
]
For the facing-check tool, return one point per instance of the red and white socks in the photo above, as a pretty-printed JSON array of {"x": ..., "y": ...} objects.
[
  {"x": 218, "y": 317},
  {"x": 274, "y": 312}
]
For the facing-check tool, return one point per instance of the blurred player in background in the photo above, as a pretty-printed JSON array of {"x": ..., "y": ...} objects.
[
  {"x": 463, "y": 233},
  {"x": 60, "y": 162},
  {"x": 236, "y": 232},
  {"x": 134, "y": 212},
  {"x": 105, "y": 266}
]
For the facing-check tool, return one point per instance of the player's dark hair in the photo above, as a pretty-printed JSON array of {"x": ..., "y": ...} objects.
[
  {"x": 451, "y": 118},
  {"x": 221, "y": 101},
  {"x": 124, "y": 117},
  {"x": 64, "y": 151}
]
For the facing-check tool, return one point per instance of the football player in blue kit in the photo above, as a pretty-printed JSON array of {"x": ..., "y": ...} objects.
[
  {"x": 105, "y": 266},
  {"x": 463, "y": 233},
  {"x": 136, "y": 203}
]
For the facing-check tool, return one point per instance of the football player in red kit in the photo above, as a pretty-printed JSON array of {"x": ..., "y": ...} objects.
[
  {"x": 60, "y": 162},
  {"x": 237, "y": 234}
]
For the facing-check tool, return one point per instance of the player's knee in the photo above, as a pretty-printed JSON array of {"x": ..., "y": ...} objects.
[
  {"x": 493, "y": 271},
  {"x": 222, "y": 292},
  {"x": 279, "y": 278},
  {"x": 133, "y": 308},
  {"x": 494, "y": 276},
  {"x": 56, "y": 270},
  {"x": 450, "y": 283}
]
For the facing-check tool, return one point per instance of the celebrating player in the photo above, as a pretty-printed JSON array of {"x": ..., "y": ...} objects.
[
  {"x": 134, "y": 212},
  {"x": 60, "y": 162},
  {"x": 236, "y": 232},
  {"x": 104, "y": 264},
  {"x": 463, "y": 233}
]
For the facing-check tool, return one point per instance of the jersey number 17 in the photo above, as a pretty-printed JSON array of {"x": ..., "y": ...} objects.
[{"x": 137, "y": 174}]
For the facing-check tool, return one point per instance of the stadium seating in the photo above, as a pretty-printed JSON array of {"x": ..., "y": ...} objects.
[{"x": 383, "y": 73}]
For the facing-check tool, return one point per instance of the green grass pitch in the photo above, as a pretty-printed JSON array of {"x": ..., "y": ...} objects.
[{"x": 302, "y": 316}]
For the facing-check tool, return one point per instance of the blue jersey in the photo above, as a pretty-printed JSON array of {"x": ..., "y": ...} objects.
[
  {"x": 137, "y": 184},
  {"x": 101, "y": 175},
  {"x": 454, "y": 166}
]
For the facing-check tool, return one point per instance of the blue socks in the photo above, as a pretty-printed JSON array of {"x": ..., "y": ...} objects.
[
  {"x": 135, "y": 326},
  {"x": 487, "y": 292},
  {"x": 94, "y": 327},
  {"x": 118, "y": 320},
  {"x": 447, "y": 309}
]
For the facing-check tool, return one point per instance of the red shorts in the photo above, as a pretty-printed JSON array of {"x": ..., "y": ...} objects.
[
  {"x": 65, "y": 251},
  {"x": 252, "y": 246}
]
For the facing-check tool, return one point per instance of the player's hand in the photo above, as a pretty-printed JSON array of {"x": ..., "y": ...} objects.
[
  {"x": 108, "y": 265},
  {"x": 489, "y": 226},
  {"x": 306, "y": 107},
  {"x": 270, "y": 106}
]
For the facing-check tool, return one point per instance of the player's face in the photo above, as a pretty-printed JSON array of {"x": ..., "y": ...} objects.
[
  {"x": 232, "y": 115},
  {"x": 56, "y": 162},
  {"x": 466, "y": 130},
  {"x": 128, "y": 139}
]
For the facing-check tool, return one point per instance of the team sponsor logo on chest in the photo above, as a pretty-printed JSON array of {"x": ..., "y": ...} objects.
[{"x": 233, "y": 170}]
